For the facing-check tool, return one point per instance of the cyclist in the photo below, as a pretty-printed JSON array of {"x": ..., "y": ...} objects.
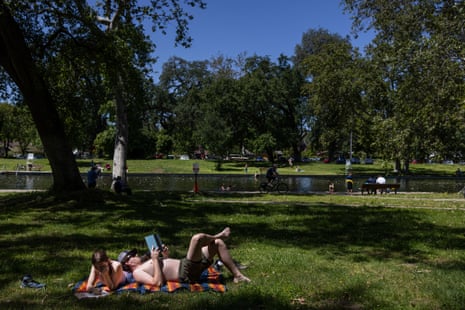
[{"x": 272, "y": 174}]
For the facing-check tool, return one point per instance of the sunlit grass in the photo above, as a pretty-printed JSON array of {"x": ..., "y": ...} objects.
[
  {"x": 404, "y": 251},
  {"x": 237, "y": 167}
]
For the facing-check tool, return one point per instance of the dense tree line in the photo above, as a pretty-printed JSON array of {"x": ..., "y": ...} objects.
[
  {"x": 416, "y": 93},
  {"x": 84, "y": 74}
]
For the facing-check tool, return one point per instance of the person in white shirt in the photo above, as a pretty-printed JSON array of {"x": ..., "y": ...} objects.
[{"x": 380, "y": 180}]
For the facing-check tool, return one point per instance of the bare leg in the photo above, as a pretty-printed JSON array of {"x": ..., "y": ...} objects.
[
  {"x": 198, "y": 241},
  {"x": 218, "y": 247},
  {"x": 211, "y": 245},
  {"x": 223, "y": 252}
]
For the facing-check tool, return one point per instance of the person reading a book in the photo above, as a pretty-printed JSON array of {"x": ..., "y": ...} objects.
[
  {"x": 108, "y": 271},
  {"x": 202, "y": 249}
]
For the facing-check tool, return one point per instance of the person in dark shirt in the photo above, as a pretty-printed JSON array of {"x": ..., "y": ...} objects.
[{"x": 272, "y": 174}]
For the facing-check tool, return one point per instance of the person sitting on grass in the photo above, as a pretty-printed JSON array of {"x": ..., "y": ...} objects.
[
  {"x": 202, "y": 249},
  {"x": 108, "y": 271},
  {"x": 119, "y": 186}
]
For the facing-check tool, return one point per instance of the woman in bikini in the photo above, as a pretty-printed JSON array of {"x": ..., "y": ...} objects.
[
  {"x": 202, "y": 249},
  {"x": 108, "y": 271}
]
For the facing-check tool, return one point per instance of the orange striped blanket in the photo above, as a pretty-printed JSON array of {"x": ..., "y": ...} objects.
[{"x": 211, "y": 280}]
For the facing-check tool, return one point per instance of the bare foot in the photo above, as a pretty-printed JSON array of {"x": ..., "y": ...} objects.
[
  {"x": 224, "y": 234},
  {"x": 241, "y": 278}
]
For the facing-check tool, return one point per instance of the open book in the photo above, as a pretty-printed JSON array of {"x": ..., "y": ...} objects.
[{"x": 153, "y": 242}]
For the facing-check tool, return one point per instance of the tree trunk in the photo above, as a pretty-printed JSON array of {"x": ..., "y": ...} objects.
[
  {"x": 398, "y": 167},
  {"x": 6, "y": 147},
  {"x": 122, "y": 133},
  {"x": 296, "y": 152},
  {"x": 406, "y": 166},
  {"x": 16, "y": 59}
]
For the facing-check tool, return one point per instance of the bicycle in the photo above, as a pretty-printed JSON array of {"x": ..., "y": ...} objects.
[{"x": 275, "y": 186}]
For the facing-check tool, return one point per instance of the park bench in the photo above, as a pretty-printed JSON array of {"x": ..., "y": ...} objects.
[{"x": 373, "y": 188}]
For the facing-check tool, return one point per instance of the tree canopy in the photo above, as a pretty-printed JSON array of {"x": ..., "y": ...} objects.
[
  {"x": 100, "y": 44},
  {"x": 83, "y": 69},
  {"x": 418, "y": 51}
]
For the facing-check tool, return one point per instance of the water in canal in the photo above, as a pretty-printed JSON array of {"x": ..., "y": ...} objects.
[{"x": 297, "y": 184}]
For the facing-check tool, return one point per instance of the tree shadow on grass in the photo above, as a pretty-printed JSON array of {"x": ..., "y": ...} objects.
[
  {"x": 120, "y": 222},
  {"x": 181, "y": 300},
  {"x": 383, "y": 232}
]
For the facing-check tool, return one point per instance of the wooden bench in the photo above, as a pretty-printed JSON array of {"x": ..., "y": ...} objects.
[{"x": 373, "y": 188}]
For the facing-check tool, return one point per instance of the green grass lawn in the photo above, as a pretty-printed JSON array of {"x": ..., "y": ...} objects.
[
  {"x": 237, "y": 167},
  {"x": 402, "y": 251}
]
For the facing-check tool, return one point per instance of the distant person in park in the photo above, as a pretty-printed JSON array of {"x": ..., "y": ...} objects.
[
  {"x": 103, "y": 269},
  {"x": 272, "y": 174},
  {"x": 331, "y": 187},
  {"x": 225, "y": 188},
  {"x": 119, "y": 186},
  {"x": 92, "y": 176},
  {"x": 291, "y": 161},
  {"x": 202, "y": 249},
  {"x": 380, "y": 180},
  {"x": 349, "y": 182},
  {"x": 371, "y": 180}
]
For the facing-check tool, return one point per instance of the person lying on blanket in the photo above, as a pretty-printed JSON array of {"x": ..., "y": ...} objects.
[
  {"x": 108, "y": 271},
  {"x": 202, "y": 249}
]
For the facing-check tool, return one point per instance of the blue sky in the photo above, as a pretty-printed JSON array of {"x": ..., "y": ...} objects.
[{"x": 262, "y": 27}]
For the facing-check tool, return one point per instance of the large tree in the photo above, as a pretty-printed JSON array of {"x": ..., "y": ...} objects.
[
  {"x": 334, "y": 72},
  {"x": 7, "y": 127},
  {"x": 272, "y": 97},
  {"x": 182, "y": 82},
  {"x": 32, "y": 33},
  {"x": 17, "y": 59},
  {"x": 419, "y": 49},
  {"x": 16, "y": 126}
]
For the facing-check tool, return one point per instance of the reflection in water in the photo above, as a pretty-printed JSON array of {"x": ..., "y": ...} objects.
[
  {"x": 298, "y": 184},
  {"x": 29, "y": 182}
]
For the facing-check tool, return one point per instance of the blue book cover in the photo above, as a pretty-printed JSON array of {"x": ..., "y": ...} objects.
[{"x": 153, "y": 242}]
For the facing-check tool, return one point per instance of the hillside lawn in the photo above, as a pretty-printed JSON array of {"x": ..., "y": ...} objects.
[{"x": 404, "y": 251}]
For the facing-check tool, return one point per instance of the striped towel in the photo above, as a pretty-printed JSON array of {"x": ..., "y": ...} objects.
[{"x": 211, "y": 280}]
